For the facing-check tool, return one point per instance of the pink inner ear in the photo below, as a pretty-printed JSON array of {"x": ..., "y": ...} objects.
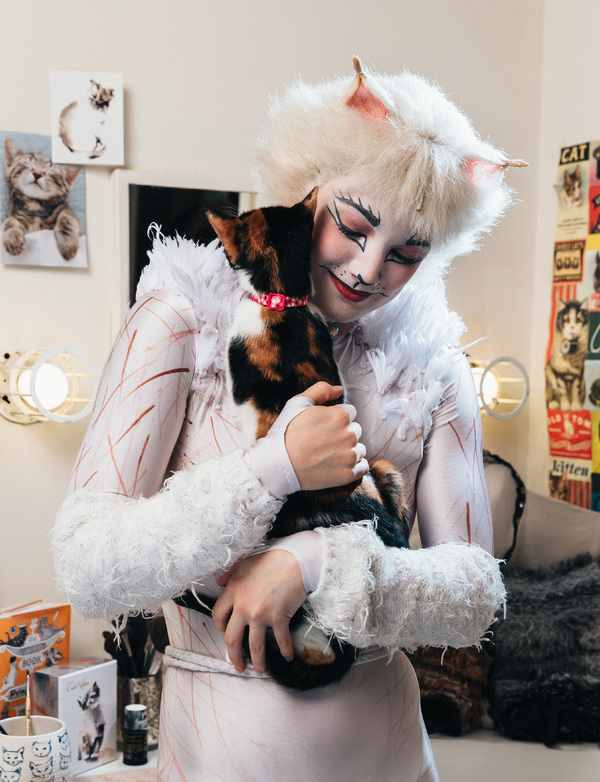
[
  {"x": 481, "y": 169},
  {"x": 364, "y": 100}
]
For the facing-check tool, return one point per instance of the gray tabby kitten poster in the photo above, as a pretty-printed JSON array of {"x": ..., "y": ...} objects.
[{"x": 42, "y": 205}]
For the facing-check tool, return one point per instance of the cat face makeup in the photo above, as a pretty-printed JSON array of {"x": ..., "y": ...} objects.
[{"x": 362, "y": 258}]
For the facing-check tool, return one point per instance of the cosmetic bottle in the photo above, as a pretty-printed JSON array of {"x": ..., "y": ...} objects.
[{"x": 135, "y": 735}]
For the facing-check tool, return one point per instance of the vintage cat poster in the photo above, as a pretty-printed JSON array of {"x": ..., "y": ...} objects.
[
  {"x": 572, "y": 367},
  {"x": 42, "y": 205},
  {"x": 87, "y": 118}
]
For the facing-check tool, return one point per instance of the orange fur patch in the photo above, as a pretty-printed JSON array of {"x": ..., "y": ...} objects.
[
  {"x": 316, "y": 657},
  {"x": 265, "y": 422},
  {"x": 264, "y": 353}
]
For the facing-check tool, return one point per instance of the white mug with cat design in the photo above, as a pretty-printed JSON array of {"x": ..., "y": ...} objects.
[{"x": 43, "y": 756}]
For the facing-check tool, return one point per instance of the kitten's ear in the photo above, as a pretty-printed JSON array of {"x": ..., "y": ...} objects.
[
  {"x": 225, "y": 228},
  {"x": 71, "y": 174},
  {"x": 310, "y": 202},
  {"x": 361, "y": 98},
  {"x": 12, "y": 151}
]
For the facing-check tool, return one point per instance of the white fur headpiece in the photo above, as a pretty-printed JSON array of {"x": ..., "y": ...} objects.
[{"x": 413, "y": 148}]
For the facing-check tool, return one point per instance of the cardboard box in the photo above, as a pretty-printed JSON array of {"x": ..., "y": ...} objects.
[
  {"x": 32, "y": 635},
  {"x": 83, "y": 695}
]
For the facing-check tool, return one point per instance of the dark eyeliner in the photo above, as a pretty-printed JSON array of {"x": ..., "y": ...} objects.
[{"x": 354, "y": 236}]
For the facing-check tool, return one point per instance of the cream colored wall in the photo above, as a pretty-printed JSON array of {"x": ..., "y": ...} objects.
[{"x": 197, "y": 76}]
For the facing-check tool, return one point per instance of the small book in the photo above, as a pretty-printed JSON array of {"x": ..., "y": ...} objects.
[{"x": 33, "y": 635}]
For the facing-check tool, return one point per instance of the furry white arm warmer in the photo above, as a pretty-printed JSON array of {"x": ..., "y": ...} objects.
[
  {"x": 115, "y": 555},
  {"x": 371, "y": 595}
]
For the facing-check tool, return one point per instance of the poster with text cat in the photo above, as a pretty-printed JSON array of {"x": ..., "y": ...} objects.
[
  {"x": 87, "y": 118},
  {"x": 572, "y": 367},
  {"x": 42, "y": 205}
]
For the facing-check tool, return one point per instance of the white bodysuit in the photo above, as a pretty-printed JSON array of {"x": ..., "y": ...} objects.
[{"x": 129, "y": 537}]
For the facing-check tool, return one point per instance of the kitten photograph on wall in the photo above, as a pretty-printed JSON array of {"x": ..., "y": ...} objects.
[
  {"x": 87, "y": 118},
  {"x": 572, "y": 189},
  {"x": 42, "y": 205}
]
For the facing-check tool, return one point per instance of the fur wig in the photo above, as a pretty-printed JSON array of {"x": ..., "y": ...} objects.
[{"x": 412, "y": 147}]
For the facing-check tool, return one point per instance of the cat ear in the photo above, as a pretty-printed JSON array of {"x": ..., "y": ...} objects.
[
  {"x": 478, "y": 169},
  {"x": 71, "y": 174},
  {"x": 12, "y": 151},
  {"x": 361, "y": 98},
  {"x": 310, "y": 202},
  {"x": 225, "y": 227}
]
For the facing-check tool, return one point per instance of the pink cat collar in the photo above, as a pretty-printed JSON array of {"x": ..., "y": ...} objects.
[{"x": 277, "y": 301}]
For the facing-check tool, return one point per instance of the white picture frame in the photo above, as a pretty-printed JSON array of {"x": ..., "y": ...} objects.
[{"x": 126, "y": 182}]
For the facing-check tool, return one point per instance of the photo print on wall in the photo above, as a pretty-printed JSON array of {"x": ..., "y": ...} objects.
[
  {"x": 42, "y": 205},
  {"x": 87, "y": 118}
]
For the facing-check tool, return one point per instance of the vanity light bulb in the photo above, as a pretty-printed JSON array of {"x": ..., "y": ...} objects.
[
  {"x": 490, "y": 387},
  {"x": 51, "y": 385}
]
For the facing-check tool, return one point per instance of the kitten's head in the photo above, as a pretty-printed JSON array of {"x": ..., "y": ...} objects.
[
  {"x": 90, "y": 698},
  {"x": 572, "y": 319},
  {"x": 558, "y": 485},
  {"x": 100, "y": 97},
  {"x": 572, "y": 187},
  {"x": 270, "y": 247},
  {"x": 35, "y": 176}
]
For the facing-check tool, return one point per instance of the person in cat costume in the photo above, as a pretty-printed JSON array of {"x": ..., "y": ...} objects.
[{"x": 163, "y": 499}]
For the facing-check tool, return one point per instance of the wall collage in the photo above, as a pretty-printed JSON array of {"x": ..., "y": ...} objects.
[{"x": 572, "y": 368}]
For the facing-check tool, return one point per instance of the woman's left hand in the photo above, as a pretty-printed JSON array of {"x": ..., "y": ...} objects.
[{"x": 261, "y": 591}]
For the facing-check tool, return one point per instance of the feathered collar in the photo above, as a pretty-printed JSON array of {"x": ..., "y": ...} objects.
[{"x": 407, "y": 342}]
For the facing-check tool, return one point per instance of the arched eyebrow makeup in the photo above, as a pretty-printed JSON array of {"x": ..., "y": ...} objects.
[{"x": 365, "y": 211}]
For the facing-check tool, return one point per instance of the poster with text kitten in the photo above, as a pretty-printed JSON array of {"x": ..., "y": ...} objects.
[
  {"x": 87, "y": 118},
  {"x": 42, "y": 205}
]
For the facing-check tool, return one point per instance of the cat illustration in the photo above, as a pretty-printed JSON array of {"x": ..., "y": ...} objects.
[
  {"x": 279, "y": 346},
  {"x": 42, "y": 770},
  {"x": 559, "y": 486},
  {"x": 19, "y": 638},
  {"x": 13, "y": 757},
  {"x": 41, "y": 749},
  {"x": 565, "y": 385},
  {"x": 10, "y": 775},
  {"x": 64, "y": 743},
  {"x": 92, "y": 736},
  {"x": 81, "y": 124},
  {"x": 39, "y": 190},
  {"x": 570, "y": 192}
]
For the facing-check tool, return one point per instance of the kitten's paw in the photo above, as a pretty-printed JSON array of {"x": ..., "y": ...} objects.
[
  {"x": 67, "y": 242},
  {"x": 14, "y": 241}
]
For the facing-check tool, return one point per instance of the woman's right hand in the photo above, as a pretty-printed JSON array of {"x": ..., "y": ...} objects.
[{"x": 323, "y": 442}]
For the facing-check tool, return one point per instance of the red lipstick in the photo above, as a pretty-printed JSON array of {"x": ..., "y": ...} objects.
[{"x": 347, "y": 292}]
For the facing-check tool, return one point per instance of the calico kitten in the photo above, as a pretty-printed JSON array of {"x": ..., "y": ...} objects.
[
  {"x": 565, "y": 386},
  {"x": 277, "y": 348},
  {"x": 81, "y": 125},
  {"x": 571, "y": 194},
  {"x": 39, "y": 190}
]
